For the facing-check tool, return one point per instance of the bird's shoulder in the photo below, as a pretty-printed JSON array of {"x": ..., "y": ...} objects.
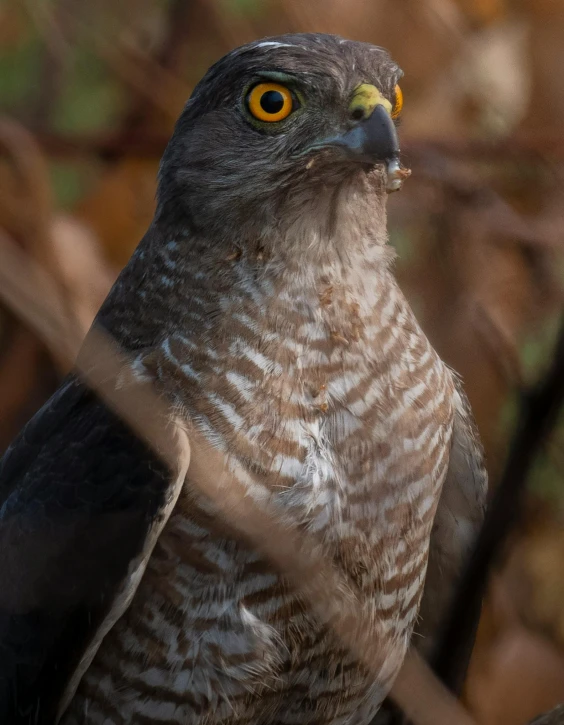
[{"x": 78, "y": 496}]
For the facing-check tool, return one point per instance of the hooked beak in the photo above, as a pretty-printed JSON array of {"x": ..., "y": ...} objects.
[
  {"x": 374, "y": 138},
  {"x": 372, "y": 141}
]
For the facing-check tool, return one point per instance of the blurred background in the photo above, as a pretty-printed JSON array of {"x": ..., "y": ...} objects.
[{"x": 89, "y": 93}]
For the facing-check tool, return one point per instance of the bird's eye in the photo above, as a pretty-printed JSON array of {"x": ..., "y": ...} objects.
[
  {"x": 398, "y": 102},
  {"x": 270, "y": 102}
]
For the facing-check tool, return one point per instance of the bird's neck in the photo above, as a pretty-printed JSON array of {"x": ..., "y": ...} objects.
[
  {"x": 310, "y": 232},
  {"x": 347, "y": 252},
  {"x": 185, "y": 280}
]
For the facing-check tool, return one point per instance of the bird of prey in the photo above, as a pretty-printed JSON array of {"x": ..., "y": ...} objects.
[{"x": 262, "y": 305}]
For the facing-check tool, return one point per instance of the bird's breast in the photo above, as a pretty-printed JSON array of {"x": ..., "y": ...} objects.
[
  {"x": 330, "y": 400},
  {"x": 341, "y": 415},
  {"x": 338, "y": 409}
]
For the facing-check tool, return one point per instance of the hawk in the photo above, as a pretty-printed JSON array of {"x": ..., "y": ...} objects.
[{"x": 262, "y": 304}]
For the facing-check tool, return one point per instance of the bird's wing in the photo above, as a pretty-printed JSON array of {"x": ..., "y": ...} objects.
[
  {"x": 82, "y": 501},
  {"x": 459, "y": 516}
]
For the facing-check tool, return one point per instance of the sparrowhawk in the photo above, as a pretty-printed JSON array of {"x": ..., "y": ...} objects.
[{"x": 261, "y": 303}]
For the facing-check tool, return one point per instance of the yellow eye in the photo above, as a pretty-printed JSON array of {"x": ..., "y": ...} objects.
[
  {"x": 398, "y": 103},
  {"x": 270, "y": 102}
]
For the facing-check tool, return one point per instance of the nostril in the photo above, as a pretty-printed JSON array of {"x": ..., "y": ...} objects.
[{"x": 357, "y": 114}]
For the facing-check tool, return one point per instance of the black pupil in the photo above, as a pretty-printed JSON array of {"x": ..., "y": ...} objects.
[{"x": 272, "y": 102}]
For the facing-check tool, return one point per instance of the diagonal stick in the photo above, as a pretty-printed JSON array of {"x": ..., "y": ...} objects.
[{"x": 31, "y": 294}]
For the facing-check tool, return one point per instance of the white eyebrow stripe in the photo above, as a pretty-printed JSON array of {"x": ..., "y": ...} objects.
[{"x": 275, "y": 44}]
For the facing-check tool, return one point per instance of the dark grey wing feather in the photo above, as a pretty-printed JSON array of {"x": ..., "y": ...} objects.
[
  {"x": 458, "y": 519},
  {"x": 78, "y": 495}
]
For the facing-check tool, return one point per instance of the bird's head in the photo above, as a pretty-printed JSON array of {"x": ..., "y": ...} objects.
[{"x": 281, "y": 128}]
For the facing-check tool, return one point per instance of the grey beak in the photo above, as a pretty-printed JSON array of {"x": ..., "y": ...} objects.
[{"x": 373, "y": 140}]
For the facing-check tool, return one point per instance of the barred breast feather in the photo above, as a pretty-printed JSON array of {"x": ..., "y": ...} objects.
[{"x": 320, "y": 384}]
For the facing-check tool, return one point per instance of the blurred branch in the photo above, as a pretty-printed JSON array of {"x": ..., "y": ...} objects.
[
  {"x": 26, "y": 377},
  {"x": 131, "y": 64},
  {"x": 168, "y": 57},
  {"x": 43, "y": 312},
  {"x": 554, "y": 717},
  {"x": 500, "y": 345},
  {"x": 540, "y": 147},
  {"x": 32, "y": 215},
  {"x": 55, "y": 57},
  {"x": 447, "y": 17},
  {"x": 544, "y": 145},
  {"x": 232, "y": 27},
  {"x": 538, "y": 416},
  {"x": 47, "y": 23},
  {"x": 140, "y": 71}
]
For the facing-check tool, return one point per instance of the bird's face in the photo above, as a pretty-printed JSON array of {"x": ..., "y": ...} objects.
[{"x": 282, "y": 123}]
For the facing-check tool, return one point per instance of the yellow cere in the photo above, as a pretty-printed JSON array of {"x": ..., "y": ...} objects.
[
  {"x": 270, "y": 102},
  {"x": 366, "y": 97}
]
